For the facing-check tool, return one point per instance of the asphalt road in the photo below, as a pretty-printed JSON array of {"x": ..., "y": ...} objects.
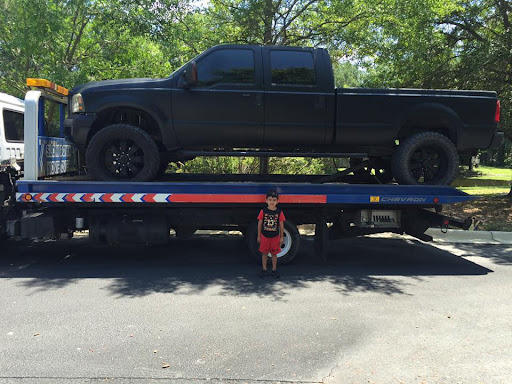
[{"x": 382, "y": 311}]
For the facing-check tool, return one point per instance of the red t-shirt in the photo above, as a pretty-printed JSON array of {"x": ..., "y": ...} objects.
[{"x": 271, "y": 220}]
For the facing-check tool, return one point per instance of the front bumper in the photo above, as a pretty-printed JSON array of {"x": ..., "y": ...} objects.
[
  {"x": 77, "y": 127},
  {"x": 497, "y": 140}
]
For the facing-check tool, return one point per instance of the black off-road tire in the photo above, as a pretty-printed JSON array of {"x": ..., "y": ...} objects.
[
  {"x": 291, "y": 234},
  {"x": 426, "y": 158},
  {"x": 97, "y": 154}
]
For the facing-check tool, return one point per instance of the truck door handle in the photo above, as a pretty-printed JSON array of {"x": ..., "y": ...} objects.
[
  {"x": 259, "y": 99},
  {"x": 246, "y": 94},
  {"x": 319, "y": 102}
]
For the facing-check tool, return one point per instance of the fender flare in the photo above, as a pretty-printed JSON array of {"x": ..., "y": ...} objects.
[
  {"x": 430, "y": 115},
  {"x": 165, "y": 125}
]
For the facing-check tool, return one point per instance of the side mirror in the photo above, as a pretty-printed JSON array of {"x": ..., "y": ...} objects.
[{"x": 191, "y": 74}]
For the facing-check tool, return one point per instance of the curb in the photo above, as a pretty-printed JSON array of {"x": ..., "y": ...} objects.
[{"x": 470, "y": 237}]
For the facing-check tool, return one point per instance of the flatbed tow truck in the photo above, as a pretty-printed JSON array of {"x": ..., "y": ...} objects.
[{"x": 47, "y": 202}]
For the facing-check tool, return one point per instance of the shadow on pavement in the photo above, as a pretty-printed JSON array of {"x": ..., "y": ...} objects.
[
  {"x": 223, "y": 262},
  {"x": 501, "y": 255}
]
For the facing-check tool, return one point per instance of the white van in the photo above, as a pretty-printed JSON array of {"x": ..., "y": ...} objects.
[{"x": 11, "y": 130}]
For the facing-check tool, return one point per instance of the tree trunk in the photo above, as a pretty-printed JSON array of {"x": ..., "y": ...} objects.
[
  {"x": 263, "y": 165},
  {"x": 268, "y": 13}
]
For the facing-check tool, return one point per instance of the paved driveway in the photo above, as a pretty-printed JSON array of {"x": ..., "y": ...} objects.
[{"x": 382, "y": 311}]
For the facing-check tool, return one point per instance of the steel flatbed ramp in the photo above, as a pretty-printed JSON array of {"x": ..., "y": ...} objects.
[{"x": 58, "y": 191}]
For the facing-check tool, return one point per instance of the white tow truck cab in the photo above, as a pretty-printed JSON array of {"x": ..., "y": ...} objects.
[{"x": 12, "y": 112}]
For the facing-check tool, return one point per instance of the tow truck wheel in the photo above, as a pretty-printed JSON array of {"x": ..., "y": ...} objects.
[
  {"x": 122, "y": 152},
  {"x": 288, "y": 250},
  {"x": 425, "y": 158}
]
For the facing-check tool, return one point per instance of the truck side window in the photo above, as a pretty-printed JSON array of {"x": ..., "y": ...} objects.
[
  {"x": 51, "y": 119},
  {"x": 292, "y": 67},
  {"x": 233, "y": 66},
  {"x": 13, "y": 126}
]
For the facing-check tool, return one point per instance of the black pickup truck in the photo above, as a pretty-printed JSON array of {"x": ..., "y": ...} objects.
[{"x": 276, "y": 101}]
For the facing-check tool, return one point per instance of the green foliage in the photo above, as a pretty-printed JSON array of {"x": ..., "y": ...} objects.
[
  {"x": 442, "y": 44},
  {"x": 72, "y": 42},
  {"x": 493, "y": 173},
  {"x": 348, "y": 75},
  {"x": 303, "y": 166},
  {"x": 285, "y": 22},
  {"x": 249, "y": 165},
  {"x": 218, "y": 165}
]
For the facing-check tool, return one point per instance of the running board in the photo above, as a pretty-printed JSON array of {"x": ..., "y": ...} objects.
[{"x": 183, "y": 154}]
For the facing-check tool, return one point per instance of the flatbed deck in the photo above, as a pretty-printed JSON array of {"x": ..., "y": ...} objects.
[{"x": 172, "y": 193}]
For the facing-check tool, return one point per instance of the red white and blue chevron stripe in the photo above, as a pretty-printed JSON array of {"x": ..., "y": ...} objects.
[
  {"x": 87, "y": 192},
  {"x": 163, "y": 198}
]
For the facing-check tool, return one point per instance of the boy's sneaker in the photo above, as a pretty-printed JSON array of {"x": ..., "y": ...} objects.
[
  {"x": 263, "y": 273},
  {"x": 275, "y": 274}
]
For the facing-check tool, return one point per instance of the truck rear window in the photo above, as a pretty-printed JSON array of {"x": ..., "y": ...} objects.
[
  {"x": 231, "y": 66},
  {"x": 292, "y": 67},
  {"x": 13, "y": 126}
]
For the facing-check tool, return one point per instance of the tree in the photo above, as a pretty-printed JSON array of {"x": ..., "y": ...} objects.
[
  {"x": 481, "y": 38},
  {"x": 72, "y": 42},
  {"x": 444, "y": 45}
]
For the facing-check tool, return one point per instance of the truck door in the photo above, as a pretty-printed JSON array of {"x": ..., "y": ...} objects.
[
  {"x": 226, "y": 107},
  {"x": 11, "y": 134},
  {"x": 295, "y": 104}
]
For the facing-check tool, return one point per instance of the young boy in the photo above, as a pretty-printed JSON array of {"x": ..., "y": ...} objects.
[{"x": 270, "y": 232}]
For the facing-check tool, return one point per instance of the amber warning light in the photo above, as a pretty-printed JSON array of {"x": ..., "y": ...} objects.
[{"x": 47, "y": 85}]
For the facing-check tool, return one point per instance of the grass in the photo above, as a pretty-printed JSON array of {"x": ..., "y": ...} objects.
[
  {"x": 493, "y": 209},
  {"x": 479, "y": 191},
  {"x": 492, "y": 173},
  {"x": 484, "y": 180}
]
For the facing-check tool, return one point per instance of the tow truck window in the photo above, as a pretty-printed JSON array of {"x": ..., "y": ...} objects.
[
  {"x": 13, "y": 126},
  {"x": 292, "y": 67},
  {"x": 51, "y": 121},
  {"x": 227, "y": 66}
]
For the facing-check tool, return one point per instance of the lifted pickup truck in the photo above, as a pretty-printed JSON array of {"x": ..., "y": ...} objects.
[{"x": 235, "y": 100}]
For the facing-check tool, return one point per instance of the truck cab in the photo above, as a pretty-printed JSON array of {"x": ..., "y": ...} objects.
[
  {"x": 253, "y": 96},
  {"x": 12, "y": 112}
]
